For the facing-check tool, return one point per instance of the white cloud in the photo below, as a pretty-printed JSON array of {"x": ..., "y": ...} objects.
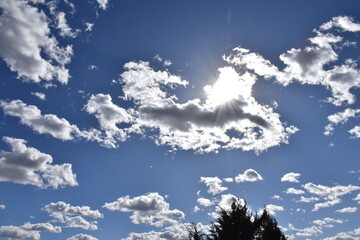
[
  {"x": 89, "y": 27},
  {"x": 103, "y": 4},
  {"x": 308, "y": 199},
  {"x": 176, "y": 232},
  {"x": 340, "y": 118},
  {"x": 108, "y": 115},
  {"x": 15, "y": 232},
  {"x": 345, "y": 23},
  {"x": 149, "y": 209},
  {"x": 82, "y": 237},
  {"x": 316, "y": 64},
  {"x": 40, "y": 95},
  {"x": 27, "y": 231},
  {"x": 51, "y": 124},
  {"x": 357, "y": 198},
  {"x": 205, "y": 202},
  {"x": 308, "y": 232},
  {"x": 294, "y": 191},
  {"x": 355, "y": 132},
  {"x": 277, "y": 197},
  {"x": 2, "y": 206},
  {"x": 345, "y": 236},
  {"x": 65, "y": 30},
  {"x": 203, "y": 127},
  {"x": 327, "y": 222},
  {"x": 272, "y": 209},
  {"x": 326, "y": 204},
  {"x": 41, "y": 227},
  {"x": 331, "y": 195},
  {"x": 73, "y": 216},
  {"x": 249, "y": 175},
  {"x": 31, "y": 116},
  {"x": 347, "y": 210},
  {"x": 228, "y": 179},
  {"x": 27, "y": 165},
  {"x": 92, "y": 67},
  {"x": 28, "y": 39},
  {"x": 291, "y": 177},
  {"x": 214, "y": 185}
]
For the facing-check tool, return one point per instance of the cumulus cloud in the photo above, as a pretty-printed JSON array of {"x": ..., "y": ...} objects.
[
  {"x": 340, "y": 118},
  {"x": 40, "y": 95},
  {"x": 103, "y": 4},
  {"x": 89, "y": 27},
  {"x": 277, "y": 197},
  {"x": 27, "y": 231},
  {"x": 331, "y": 195},
  {"x": 175, "y": 232},
  {"x": 306, "y": 232},
  {"x": 351, "y": 235},
  {"x": 294, "y": 191},
  {"x": 51, "y": 124},
  {"x": 214, "y": 185},
  {"x": 357, "y": 198},
  {"x": 108, "y": 115},
  {"x": 32, "y": 117},
  {"x": 27, "y": 45},
  {"x": 355, "y": 132},
  {"x": 205, "y": 202},
  {"x": 149, "y": 209},
  {"x": 65, "y": 30},
  {"x": 316, "y": 64},
  {"x": 82, "y": 237},
  {"x": 41, "y": 227},
  {"x": 327, "y": 222},
  {"x": 73, "y": 216},
  {"x": 291, "y": 177},
  {"x": 27, "y": 165},
  {"x": 347, "y": 210},
  {"x": 249, "y": 175},
  {"x": 202, "y": 126},
  {"x": 272, "y": 209},
  {"x": 15, "y": 232},
  {"x": 2, "y": 206},
  {"x": 308, "y": 199},
  {"x": 345, "y": 23}
]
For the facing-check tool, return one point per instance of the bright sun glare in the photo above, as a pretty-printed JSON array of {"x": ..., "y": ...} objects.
[{"x": 225, "y": 89}]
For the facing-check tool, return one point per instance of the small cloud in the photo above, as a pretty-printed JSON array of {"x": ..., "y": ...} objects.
[
  {"x": 73, "y": 216},
  {"x": 277, "y": 197},
  {"x": 228, "y": 179},
  {"x": 89, "y": 27},
  {"x": 82, "y": 236},
  {"x": 103, "y": 4},
  {"x": 149, "y": 209},
  {"x": 294, "y": 191},
  {"x": 291, "y": 177},
  {"x": 274, "y": 208},
  {"x": 214, "y": 185},
  {"x": 92, "y": 67},
  {"x": 196, "y": 209},
  {"x": 2, "y": 206},
  {"x": 347, "y": 210},
  {"x": 205, "y": 202},
  {"x": 40, "y": 95},
  {"x": 249, "y": 175}
]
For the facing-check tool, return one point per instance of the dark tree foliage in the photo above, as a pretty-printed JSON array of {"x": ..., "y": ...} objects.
[{"x": 238, "y": 224}]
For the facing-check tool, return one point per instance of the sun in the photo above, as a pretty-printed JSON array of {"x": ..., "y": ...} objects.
[{"x": 225, "y": 89}]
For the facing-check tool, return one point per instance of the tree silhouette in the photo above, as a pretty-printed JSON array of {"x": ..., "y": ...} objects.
[{"x": 238, "y": 224}]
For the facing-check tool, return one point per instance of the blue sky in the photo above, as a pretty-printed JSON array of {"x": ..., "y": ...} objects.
[{"x": 131, "y": 119}]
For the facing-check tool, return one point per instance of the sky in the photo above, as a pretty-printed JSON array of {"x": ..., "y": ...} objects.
[{"x": 132, "y": 119}]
